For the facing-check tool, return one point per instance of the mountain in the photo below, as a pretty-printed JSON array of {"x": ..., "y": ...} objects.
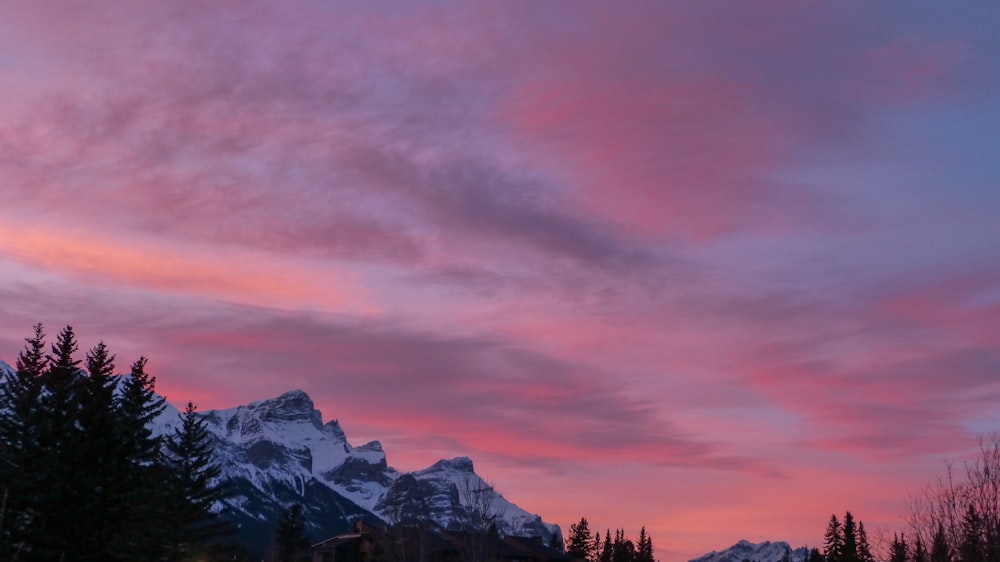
[
  {"x": 279, "y": 452},
  {"x": 757, "y": 552},
  {"x": 5, "y": 369}
]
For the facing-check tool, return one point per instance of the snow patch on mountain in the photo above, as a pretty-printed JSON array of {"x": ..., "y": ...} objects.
[{"x": 766, "y": 551}]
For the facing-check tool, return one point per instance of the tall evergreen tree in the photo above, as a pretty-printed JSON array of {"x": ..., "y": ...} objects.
[
  {"x": 99, "y": 454},
  {"x": 623, "y": 549},
  {"x": 864, "y": 549},
  {"x": 59, "y": 528},
  {"x": 850, "y": 547},
  {"x": 920, "y": 551},
  {"x": 579, "y": 545},
  {"x": 20, "y": 449},
  {"x": 193, "y": 488},
  {"x": 898, "y": 551},
  {"x": 607, "y": 551},
  {"x": 143, "y": 494},
  {"x": 595, "y": 548},
  {"x": 815, "y": 556},
  {"x": 644, "y": 549},
  {"x": 833, "y": 540},
  {"x": 939, "y": 548},
  {"x": 973, "y": 547}
]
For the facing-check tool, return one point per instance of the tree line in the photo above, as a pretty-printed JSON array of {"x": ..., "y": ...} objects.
[
  {"x": 581, "y": 545},
  {"x": 83, "y": 477},
  {"x": 955, "y": 519}
]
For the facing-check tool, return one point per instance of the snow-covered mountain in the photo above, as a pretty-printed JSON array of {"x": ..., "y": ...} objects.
[
  {"x": 278, "y": 452},
  {"x": 5, "y": 369},
  {"x": 757, "y": 552}
]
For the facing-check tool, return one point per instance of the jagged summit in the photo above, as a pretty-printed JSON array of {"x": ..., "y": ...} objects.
[
  {"x": 457, "y": 464},
  {"x": 294, "y": 405},
  {"x": 766, "y": 551}
]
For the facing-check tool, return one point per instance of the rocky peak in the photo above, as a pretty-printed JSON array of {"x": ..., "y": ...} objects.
[
  {"x": 291, "y": 406},
  {"x": 457, "y": 464},
  {"x": 333, "y": 429}
]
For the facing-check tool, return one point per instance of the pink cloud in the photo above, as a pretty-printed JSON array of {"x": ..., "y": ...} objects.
[{"x": 195, "y": 272}]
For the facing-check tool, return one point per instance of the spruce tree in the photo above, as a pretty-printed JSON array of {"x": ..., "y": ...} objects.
[
  {"x": 102, "y": 462},
  {"x": 595, "y": 548},
  {"x": 833, "y": 540},
  {"x": 193, "y": 488},
  {"x": 973, "y": 547},
  {"x": 145, "y": 500},
  {"x": 898, "y": 551},
  {"x": 864, "y": 549},
  {"x": 644, "y": 550},
  {"x": 939, "y": 548},
  {"x": 849, "y": 551},
  {"x": 59, "y": 528},
  {"x": 20, "y": 449},
  {"x": 623, "y": 549},
  {"x": 920, "y": 551},
  {"x": 607, "y": 551},
  {"x": 579, "y": 545}
]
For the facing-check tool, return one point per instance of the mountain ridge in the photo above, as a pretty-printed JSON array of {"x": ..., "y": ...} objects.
[{"x": 766, "y": 551}]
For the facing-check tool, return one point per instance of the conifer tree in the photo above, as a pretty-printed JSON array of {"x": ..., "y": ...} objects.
[
  {"x": 973, "y": 547},
  {"x": 193, "y": 488},
  {"x": 864, "y": 549},
  {"x": 595, "y": 548},
  {"x": 920, "y": 551},
  {"x": 898, "y": 551},
  {"x": 849, "y": 552},
  {"x": 833, "y": 540},
  {"x": 644, "y": 549},
  {"x": 19, "y": 445},
  {"x": 939, "y": 548},
  {"x": 815, "y": 556},
  {"x": 143, "y": 494},
  {"x": 579, "y": 545},
  {"x": 57, "y": 500},
  {"x": 607, "y": 551},
  {"x": 623, "y": 549},
  {"x": 99, "y": 454}
]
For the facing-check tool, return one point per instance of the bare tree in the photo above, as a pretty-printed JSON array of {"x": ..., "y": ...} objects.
[
  {"x": 481, "y": 518},
  {"x": 946, "y": 503}
]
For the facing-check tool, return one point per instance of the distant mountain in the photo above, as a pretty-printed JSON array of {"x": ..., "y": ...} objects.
[
  {"x": 757, "y": 552},
  {"x": 279, "y": 452}
]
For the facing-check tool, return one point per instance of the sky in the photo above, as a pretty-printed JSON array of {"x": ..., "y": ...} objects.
[{"x": 719, "y": 269}]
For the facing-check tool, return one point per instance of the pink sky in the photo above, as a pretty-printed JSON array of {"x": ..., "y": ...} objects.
[{"x": 717, "y": 268}]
